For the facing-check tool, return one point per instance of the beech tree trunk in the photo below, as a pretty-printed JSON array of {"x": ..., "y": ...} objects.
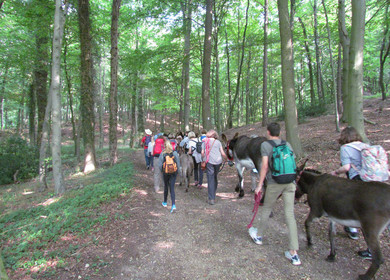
[
  {"x": 264, "y": 120},
  {"x": 55, "y": 93},
  {"x": 187, "y": 22},
  {"x": 287, "y": 58},
  {"x": 384, "y": 52},
  {"x": 355, "y": 107},
  {"x": 206, "y": 108},
  {"x": 113, "y": 101},
  {"x": 86, "y": 89}
]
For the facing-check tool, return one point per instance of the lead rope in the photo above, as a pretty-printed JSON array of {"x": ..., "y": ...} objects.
[{"x": 255, "y": 207}]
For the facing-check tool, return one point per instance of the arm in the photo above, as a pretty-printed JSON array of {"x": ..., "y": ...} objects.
[
  {"x": 263, "y": 173},
  {"x": 343, "y": 169},
  {"x": 223, "y": 153}
]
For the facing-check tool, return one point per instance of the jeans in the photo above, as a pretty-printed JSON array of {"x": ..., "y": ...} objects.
[
  {"x": 169, "y": 182},
  {"x": 198, "y": 172},
  {"x": 288, "y": 195},
  {"x": 147, "y": 158},
  {"x": 212, "y": 179}
]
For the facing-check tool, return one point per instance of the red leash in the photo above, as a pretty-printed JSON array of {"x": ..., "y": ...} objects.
[{"x": 255, "y": 208}]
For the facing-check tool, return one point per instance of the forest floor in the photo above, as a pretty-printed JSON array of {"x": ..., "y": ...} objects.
[{"x": 202, "y": 241}]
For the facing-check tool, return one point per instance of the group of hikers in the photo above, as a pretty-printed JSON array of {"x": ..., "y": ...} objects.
[
  {"x": 162, "y": 155},
  {"x": 210, "y": 154}
]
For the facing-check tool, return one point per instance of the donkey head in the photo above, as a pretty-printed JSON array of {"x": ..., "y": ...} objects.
[{"x": 229, "y": 145}]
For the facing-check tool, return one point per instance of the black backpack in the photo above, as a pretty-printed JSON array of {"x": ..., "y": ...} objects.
[{"x": 198, "y": 148}]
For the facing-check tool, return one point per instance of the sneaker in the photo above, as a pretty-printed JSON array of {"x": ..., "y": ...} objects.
[
  {"x": 294, "y": 259},
  {"x": 211, "y": 201},
  {"x": 164, "y": 204},
  {"x": 173, "y": 208},
  {"x": 147, "y": 167},
  {"x": 365, "y": 254},
  {"x": 196, "y": 183},
  {"x": 352, "y": 233},
  {"x": 253, "y": 234}
]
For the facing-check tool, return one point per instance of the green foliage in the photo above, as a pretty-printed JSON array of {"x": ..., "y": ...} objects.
[
  {"x": 311, "y": 110},
  {"x": 29, "y": 232},
  {"x": 17, "y": 156}
]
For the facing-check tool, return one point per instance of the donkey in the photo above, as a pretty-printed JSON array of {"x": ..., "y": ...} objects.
[
  {"x": 350, "y": 203},
  {"x": 245, "y": 151},
  {"x": 187, "y": 168}
]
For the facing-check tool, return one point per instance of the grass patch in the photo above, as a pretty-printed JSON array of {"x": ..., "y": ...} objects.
[{"x": 28, "y": 234}]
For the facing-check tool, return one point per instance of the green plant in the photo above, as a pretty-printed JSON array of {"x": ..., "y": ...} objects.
[
  {"x": 17, "y": 159},
  {"x": 29, "y": 232}
]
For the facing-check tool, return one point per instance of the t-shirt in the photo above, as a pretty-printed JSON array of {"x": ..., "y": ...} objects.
[
  {"x": 266, "y": 150},
  {"x": 349, "y": 155},
  {"x": 215, "y": 156}
]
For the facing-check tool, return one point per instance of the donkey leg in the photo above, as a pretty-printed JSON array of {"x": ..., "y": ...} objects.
[
  {"x": 308, "y": 221},
  {"x": 371, "y": 235},
  {"x": 240, "y": 185},
  {"x": 332, "y": 232}
]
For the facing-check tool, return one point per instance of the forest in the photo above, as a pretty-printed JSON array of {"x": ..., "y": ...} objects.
[{"x": 110, "y": 69}]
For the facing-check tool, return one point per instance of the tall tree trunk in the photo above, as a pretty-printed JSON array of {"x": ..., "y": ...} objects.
[
  {"x": 41, "y": 73},
  {"x": 345, "y": 42},
  {"x": 239, "y": 68},
  {"x": 70, "y": 99},
  {"x": 229, "y": 120},
  {"x": 309, "y": 62},
  {"x": 55, "y": 93},
  {"x": 87, "y": 98},
  {"x": 355, "y": 114},
  {"x": 187, "y": 22},
  {"x": 2, "y": 94},
  {"x": 31, "y": 114},
  {"x": 140, "y": 106},
  {"x": 206, "y": 108},
  {"x": 290, "y": 108},
  {"x": 339, "y": 79},
  {"x": 320, "y": 88},
  {"x": 247, "y": 90},
  {"x": 264, "y": 112},
  {"x": 384, "y": 52},
  {"x": 113, "y": 142},
  {"x": 334, "y": 87}
]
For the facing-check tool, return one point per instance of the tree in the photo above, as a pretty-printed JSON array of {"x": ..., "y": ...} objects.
[
  {"x": 86, "y": 90},
  {"x": 345, "y": 43},
  {"x": 384, "y": 52},
  {"x": 265, "y": 67},
  {"x": 206, "y": 108},
  {"x": 290, "y": 108},
  {"x": 55, "y": 93},
  {"x": 113, "y": 141},
  {"x": 187, "y": 23},
  {"x": 355, "y": 77}
]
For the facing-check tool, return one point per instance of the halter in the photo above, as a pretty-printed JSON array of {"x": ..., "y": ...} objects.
[{"x": 227, "y": 151}]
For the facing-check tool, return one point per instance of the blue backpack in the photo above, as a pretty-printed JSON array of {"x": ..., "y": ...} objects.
[{"x": 282, "y": 163}]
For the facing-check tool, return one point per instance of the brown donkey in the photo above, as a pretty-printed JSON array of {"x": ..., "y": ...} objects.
[{"x": 350, "y": 203}]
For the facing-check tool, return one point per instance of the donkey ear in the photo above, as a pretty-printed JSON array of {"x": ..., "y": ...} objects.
[
  {"x": 224, "y": 138},
  {"x": 302, "y": 167},
  {"x": 236, "y": 135}
]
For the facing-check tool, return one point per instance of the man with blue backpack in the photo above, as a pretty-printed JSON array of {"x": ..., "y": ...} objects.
[{"x": 278, "y": 167}]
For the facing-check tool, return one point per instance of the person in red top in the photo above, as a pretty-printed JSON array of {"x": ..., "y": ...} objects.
[{"x": 145, "y": 142}]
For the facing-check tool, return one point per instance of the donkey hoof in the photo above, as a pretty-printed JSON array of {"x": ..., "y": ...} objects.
[
  {"x": 331, "y": 258},
  {"x": 241, "y": 194},
  {"x": 186, "y": 189},
  {"x": 363, "y": 277},
  {"x": 237, "y": 189}
]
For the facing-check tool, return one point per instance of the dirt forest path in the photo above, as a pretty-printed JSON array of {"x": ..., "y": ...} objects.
[{"x": 202, "y": 241}]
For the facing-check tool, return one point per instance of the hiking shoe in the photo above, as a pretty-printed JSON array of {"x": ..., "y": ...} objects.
[
  {"x": 173, "y": 208},
  {"x": 294, "y": 259},
  {"x": 352, "y": 233},
  {"x": 196, "y": 183},
  {"x": 253, "y": 234},
  {"x": 211, "y": 201},
  {"x": 365, "y": 254},
  {"x": 164, "y": 204}
]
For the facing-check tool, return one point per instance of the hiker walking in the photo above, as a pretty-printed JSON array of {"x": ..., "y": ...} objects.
[
  {"x": 351, "y": 162},
  {"x": 213, "y": 154},
  {"x": 275, "y": 189},
  {"x": 169, "y": 164},
  {"x": 145, "y": 143},
  {"x": 157, "y": 150},
  {"x": 195, "y": 150}
]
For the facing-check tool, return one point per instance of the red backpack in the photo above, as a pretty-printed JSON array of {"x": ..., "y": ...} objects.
[
  {"x": 158, "y": 147},
  {"x": 173, "y": 143}
]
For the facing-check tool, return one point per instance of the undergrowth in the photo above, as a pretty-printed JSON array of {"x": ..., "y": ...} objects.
[{"x": 28, "y": 234}]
